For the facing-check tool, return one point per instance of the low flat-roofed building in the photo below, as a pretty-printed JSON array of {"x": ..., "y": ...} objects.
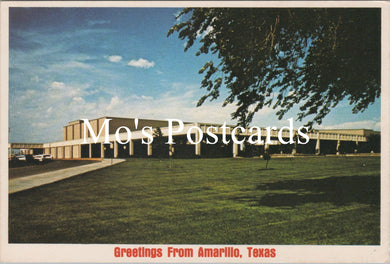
[
  {"x": 77, "y": 145},
  {"x": 360, "y": 132},
  {"x": 75, "y": 129},
  {"x": 78, "y": 142}
]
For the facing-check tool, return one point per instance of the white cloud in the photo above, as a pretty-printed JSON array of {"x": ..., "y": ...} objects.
[
  {"x": 57, "y": 85},
  {"x": 114, "y": 103},
  {"x": 78, "y": 99},
  {"x": 147, "y": 97},
  {"x": 77, "y": 64},
  {"x": 208, "y": 30},
  {"x": 70, "y": 64},
  {"x": 114, "y": 58},
  {"x": 178, "y": 102},
  {"x": 93, "y": 91},
  {"x": 141, "y": 63}
]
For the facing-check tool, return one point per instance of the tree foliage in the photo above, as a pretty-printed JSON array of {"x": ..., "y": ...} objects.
[
  {"x": 266, "y": 157},
  {"x": 287, "y": 57},
  {"x": 373, "y": 143},
  {"x": 158, "y": 141}
]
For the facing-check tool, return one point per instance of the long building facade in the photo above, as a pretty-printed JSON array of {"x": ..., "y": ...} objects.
[{"x": 78, "y": 144}]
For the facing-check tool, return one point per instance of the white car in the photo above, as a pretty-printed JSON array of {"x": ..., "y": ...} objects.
[
  {"x": 21, "y": 157},
  {"x": 43, "y": 157},
  {"x": 47, "y": 157},
  {"x": 39, "y": 157}
]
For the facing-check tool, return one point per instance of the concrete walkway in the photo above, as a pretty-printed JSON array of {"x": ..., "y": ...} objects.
[{"x": 32, "y": 181}]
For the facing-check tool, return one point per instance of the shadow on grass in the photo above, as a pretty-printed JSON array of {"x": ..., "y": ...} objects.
[{"x": 336, "y": 190}]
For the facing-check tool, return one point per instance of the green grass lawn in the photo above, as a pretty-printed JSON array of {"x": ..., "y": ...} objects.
[{"x": 313, "y": 200}]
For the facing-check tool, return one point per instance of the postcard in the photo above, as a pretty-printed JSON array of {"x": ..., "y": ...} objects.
[{"x": 194, "y": 132}]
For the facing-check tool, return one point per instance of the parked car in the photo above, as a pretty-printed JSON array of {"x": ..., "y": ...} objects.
[
  {"x": 20, "y": 157},
  {"x": 38, "y": 157},
  {"x": 43, "y": 157},
  {"x": 47, "y": 157}
]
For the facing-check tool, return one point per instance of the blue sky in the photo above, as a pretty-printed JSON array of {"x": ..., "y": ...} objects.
[{"x": 72, "y": 63}]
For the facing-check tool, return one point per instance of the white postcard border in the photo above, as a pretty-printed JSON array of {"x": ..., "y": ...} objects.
[{"x": 45, "y": 253}]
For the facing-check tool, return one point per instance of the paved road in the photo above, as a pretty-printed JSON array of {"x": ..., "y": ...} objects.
[
  {"x": 28, "y": 182},
  {"x": 32, "y": 169}
]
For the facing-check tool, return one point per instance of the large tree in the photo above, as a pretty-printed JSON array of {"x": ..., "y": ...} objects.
[{"x": 286, "y": 57}]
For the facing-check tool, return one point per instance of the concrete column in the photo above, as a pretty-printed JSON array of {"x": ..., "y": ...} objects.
[
  {"x": 90, "y": 150},
  {"x": 76, "y": 150},
  {"x": 294, "y": 150},
  {"x": 149, "y": 149},
  {"x": 115, "y": 149},
  {"x": 131, "y": 148},
  {"x": 318, "y": 144},
  {"x": 102, "y": 150},
  {"x": 171, "y": 150},
  {"x": 198, "y": 145},
  {"x": 71, "y": 151},
  {"x": 266, "y": 147},
  {"x": 235, "y": 150},
  {"x": 356, "y": 146},
  {"x": 81, "y": 131},
  {"x": 338, "y": 144},
  {"x": 242, "y": 147}
]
